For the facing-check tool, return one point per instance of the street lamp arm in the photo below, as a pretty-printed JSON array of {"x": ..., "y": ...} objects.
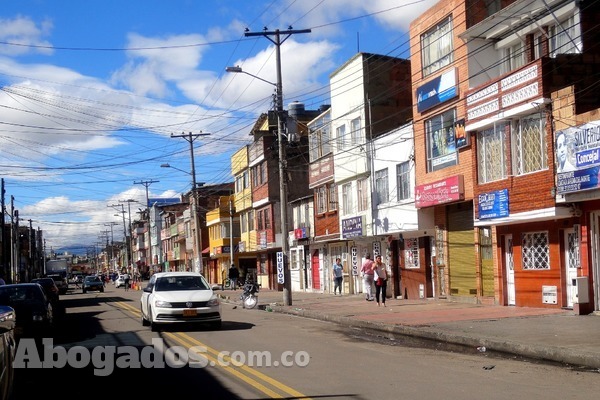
[
  {"x": 239, "y": 70},
  {"x": 167, "y": 165}
]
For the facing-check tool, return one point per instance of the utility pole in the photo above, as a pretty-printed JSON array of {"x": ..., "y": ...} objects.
[
  {"x": 146, "y": 184},
  {"x": 190, "y": 137},
  {"x": 130, "y": 237},
  {"x": 231, "y": 213},
  {"x": 3, "y": 251},
  {"x": 122, "y": 212},
  {"x": 285, "y": 247}
]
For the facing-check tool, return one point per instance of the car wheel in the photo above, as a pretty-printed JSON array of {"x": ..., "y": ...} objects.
[
  {"x": 153, "y": 326},
  {"x": 144, "y": 320}
]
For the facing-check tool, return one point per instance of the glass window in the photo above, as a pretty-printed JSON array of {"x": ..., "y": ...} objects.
[
  {"x": 267, "y": 219},
  {"x": 333, "y": 200},
  {"x": 321, "y": 199},
  {"x": 491, "y": 153},
  {"x": 259, "y": 220},
  {"x": 514, "y": 57},
  {"x": 251, "y": 220},
  {"x": 356, "y": 131},
  {"x": 441, "y": 143},
  {"x": 437, "y": 47},
  {"x": 382, "y": 186},
  {"x": 362, "y": 186},
  {"x": 529, "y": 144},
  {"x": 403, "y": 180},
  {"x": 341, "y": 137},
  {"x": 565, "y": 38},
  {"x": 320, "y": 144},
  {"x": 411, "y": 253},
  {"x": 347, "y": 200}
]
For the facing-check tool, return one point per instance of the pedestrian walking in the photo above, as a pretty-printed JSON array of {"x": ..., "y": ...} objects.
[
  {"x": 367, "y": 274},
  {"x": 338, "y": 275},
  {"x": 234, "y": 274},
  {"x": 126, "y": 279},
  {"x": 381, "y": 284}
]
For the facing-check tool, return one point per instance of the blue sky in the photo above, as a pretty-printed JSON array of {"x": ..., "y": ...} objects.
[{"x": 92, "y": 91}]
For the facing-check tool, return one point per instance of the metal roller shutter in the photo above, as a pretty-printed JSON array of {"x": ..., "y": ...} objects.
[{"x": 461, "y": 250}]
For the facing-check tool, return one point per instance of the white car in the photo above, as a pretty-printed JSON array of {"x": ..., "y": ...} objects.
[
  {"x": 120, "y": 281},
  {"x": 179, "y": 297}
]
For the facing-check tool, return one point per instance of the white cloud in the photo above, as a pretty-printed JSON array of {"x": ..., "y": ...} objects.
[{"x": 22, "y": 33}]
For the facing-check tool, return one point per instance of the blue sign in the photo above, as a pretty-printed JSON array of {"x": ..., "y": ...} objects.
[
  {"x": 493, "y": 204},
  {"x": 574, "y": 181},
  {"x": 437, "y": 91},
  {"x": 352, "y": 227},
  {"x": 163, "y": 201}
]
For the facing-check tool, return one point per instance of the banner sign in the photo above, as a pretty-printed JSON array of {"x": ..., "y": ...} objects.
[{"x": 493, "y": 204}]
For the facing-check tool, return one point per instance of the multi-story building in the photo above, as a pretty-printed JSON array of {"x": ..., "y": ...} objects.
[
  {"x": 490, "y": 89},
  {"x": 223, "y": 237},
  {"x": 369, "y": 97}
]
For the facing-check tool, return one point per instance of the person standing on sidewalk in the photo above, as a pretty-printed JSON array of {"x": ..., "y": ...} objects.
[
  {"x": 338, "y": 275},
  {"x": 234, "y": 274},
  {"x": 381, "y": 284},
  {"x": 367, "y": 274}
]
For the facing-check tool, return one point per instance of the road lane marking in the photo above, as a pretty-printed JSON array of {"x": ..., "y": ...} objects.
[{"x": 183, "y": 338}]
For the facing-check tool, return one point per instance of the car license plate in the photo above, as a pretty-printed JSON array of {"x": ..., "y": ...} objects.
[{"x": 189, "y": 312}]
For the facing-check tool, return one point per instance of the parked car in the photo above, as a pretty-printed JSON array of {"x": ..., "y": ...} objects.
[
  {"x": 92, "y": 282},
  {"x": 120, "y": 281},
  {"x": 61, "y": 283},
  {"x": 33, "y": 309},
  {"x": 7, "y": 351},
  {"x": 49, "y": 286},
  {"x": 179, "y": 297}
]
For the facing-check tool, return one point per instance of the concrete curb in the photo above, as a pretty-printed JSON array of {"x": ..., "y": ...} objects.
[{"x": 545, "y": 352}]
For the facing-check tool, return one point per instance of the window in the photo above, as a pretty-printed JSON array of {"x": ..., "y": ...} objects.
[
  {"x": 565, "y": 38},
  {"x": 538, "y": 45},
  {"x": 356, "y": 131},
  {"x": 441, "y": 145},
  {"x": 341, "y": 137},
  {"x": 259, "y": 174},
  {"x": 333, "y": 200},
  {"x": 320, "y": 142},
  {"x": 491, "y": 153},
  {"x": 259, "y": 220},
  {"x": 244, "y": 223},
  {"x": 362, "y": 186},
  {"x": 535, "y": 250},
  {"x": 239, "y": 183},
  {"x": 251, "y": 220},
  {"x": 437, "y": 47},
  {"x": 382, "y": 186},
  {"x": 267, "y": 216},
  {"x": 529, "y": 144},
  {"x": 347, "y": 200},
  {"x": 514, "y": 57},
  {"x": 403, "y": 180},
  {"x": 321, "y": 199}
]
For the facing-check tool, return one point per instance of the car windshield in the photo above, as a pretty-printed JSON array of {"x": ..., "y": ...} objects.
[
  {"x": 89, "y": 279},
  {"x": 172, "y": 283},
  {"x": 18, "y": 293}
]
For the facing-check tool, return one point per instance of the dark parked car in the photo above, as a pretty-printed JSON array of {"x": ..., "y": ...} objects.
[
  {"x": 34, "y": 311},
  {"x": 92, "y": 282},
  {"x": 49, "y": 287},
  {"x": 7, "y": 351}
]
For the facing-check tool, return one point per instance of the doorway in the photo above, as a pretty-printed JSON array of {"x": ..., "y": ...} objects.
[{"x": 510, "y": 270}]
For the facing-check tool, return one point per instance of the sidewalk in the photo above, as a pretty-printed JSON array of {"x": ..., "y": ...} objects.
[{"x": 541, "y": 333}]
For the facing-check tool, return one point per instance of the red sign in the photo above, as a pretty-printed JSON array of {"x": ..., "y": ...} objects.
[
  {"x": 300, "y": 233},
  {"x": 440, "y": 192}
]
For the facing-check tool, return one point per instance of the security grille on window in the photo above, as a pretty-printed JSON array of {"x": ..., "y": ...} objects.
[
  {"x": 491, "y": 153},
  {"x": 437, "y": 47},
  {"x": 529, "y": 144},
  {"x": 411, "y": 253},
  {"x": 535, "y": 250},
  {"x": 381, "y": 186}
]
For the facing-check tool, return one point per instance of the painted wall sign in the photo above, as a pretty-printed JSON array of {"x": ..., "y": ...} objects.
[
  {"x": 493, "y": 204},
  {"x": 444, "y": 191},
  {"x": 352, "y": 227},
  {"x": 437, "y": 91}
]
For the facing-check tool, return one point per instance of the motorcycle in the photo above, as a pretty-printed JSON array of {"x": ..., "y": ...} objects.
[{"x": 249, "y": 295}]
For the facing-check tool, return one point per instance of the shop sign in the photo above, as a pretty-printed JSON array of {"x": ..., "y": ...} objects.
[
  {"x": 440, "y": 192},
  {"x": 493, "y": 204},
  {"x": 437, "y": 91},
  {"x": 352, "y": 227}
]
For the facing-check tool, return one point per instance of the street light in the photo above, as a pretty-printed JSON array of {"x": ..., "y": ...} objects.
[{"x": 238, "y": 69}]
